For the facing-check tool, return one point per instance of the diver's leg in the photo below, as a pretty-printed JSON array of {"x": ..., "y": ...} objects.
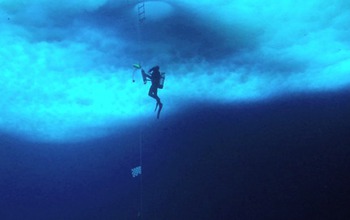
[
  {"x": 160, "y": 109},
  {"x": 153, "y": 92},
  {"x": 156, "y": 97},
  {"x": 159, "y": 104}
]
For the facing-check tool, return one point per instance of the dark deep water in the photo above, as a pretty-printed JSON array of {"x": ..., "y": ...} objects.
[{"x": 282, "y": 159}]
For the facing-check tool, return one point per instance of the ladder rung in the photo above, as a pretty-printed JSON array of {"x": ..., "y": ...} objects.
[{"x": 141, "y": 10}]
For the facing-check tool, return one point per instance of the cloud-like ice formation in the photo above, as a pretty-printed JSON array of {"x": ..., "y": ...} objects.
[{"x": 66, "y": 66}]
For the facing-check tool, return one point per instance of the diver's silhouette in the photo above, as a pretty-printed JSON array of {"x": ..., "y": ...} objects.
[{"x": 155, "y": 77}]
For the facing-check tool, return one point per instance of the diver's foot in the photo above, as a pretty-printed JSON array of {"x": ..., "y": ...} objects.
[{"x": 160, "y": 109}]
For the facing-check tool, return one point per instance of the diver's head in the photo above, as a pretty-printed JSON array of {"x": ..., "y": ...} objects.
[{"x": 155, "y": 68}]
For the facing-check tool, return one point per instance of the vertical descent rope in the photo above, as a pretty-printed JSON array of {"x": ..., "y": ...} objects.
[{"x": 141, "y": 19}]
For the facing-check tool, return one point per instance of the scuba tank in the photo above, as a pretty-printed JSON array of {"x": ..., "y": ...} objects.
[{"x": 161, "y": 81}]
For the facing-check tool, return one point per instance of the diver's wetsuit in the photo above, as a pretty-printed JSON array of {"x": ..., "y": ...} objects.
[{"x": 153, "y": 90}]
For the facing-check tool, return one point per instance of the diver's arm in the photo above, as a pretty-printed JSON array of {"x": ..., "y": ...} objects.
[
  {"x": 148, "y": 76},
  {"x": 145, "y": 74}
]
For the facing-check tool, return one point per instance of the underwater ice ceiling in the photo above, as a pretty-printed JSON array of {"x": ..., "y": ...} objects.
[{"x": 66, "y": 67}]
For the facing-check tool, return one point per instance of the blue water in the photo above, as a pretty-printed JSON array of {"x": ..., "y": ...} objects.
[
  {"x": 255, "y": 122},
  {"x": 284, "y": 159}
]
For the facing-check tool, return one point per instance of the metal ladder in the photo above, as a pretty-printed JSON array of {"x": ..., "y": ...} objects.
[{"x": 141, "y": 10}]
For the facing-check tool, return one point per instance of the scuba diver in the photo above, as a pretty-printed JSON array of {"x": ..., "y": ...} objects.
[
  {"x": 155, "y": 77},
  {"x": 157, "y": 80}
]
